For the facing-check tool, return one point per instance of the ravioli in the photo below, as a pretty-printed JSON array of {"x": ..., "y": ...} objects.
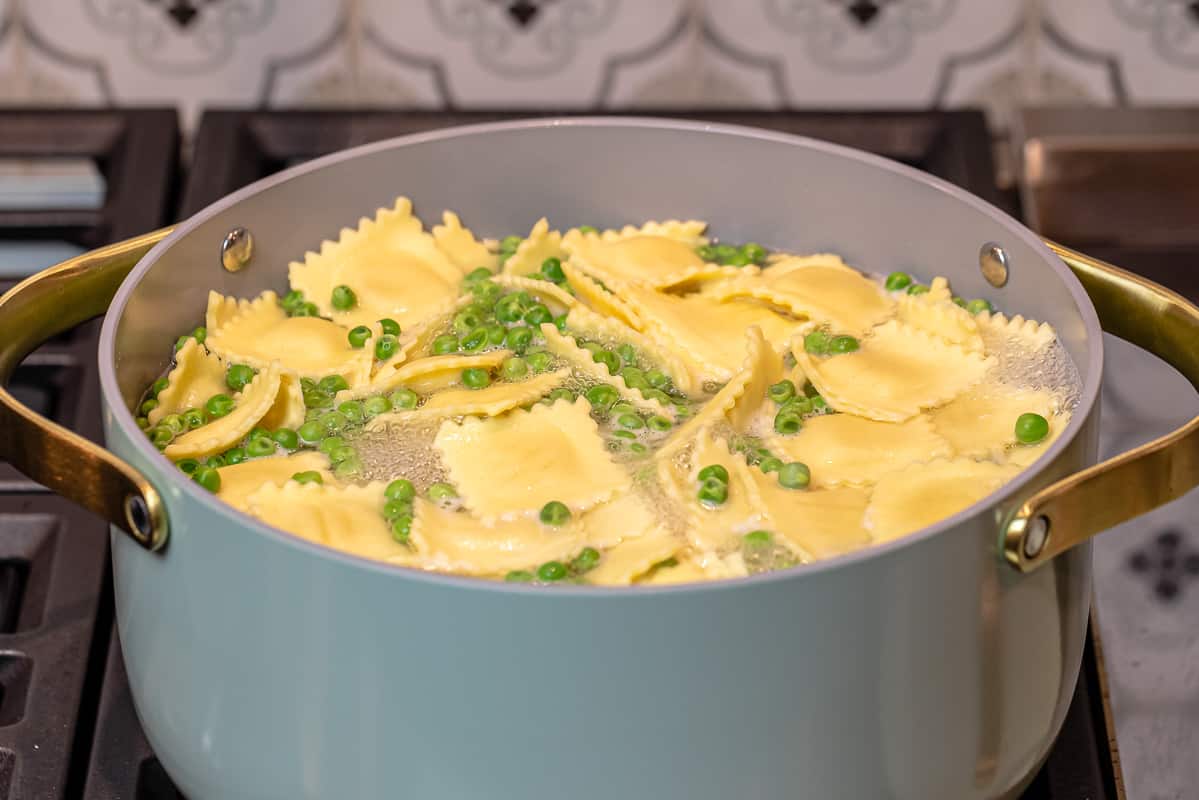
[
  {"x": 313, "y": 347},
  {"x": 600, "y": 299},
  {"x": 655, "y": 254},
  {"x": 981, "y": 423},
  {"x": 509, "y": 467},
  {"x": 908, "y": 500},
  {"x": 898, "y": 372},
  {"x": 196, "y": 377},
  {"x": 255, "y": 400},
  {"x": 844, "y": 450},
  {"x": 627, "y": 561},
  {"x": 239, "y": 481},
  {"x": 935, "y": 312},
  {"x": 531, "y": 253},
  {"x": 394, "y": 267},
  {"x": 827, "y": 293},
  {"x": 488, "y": 402},
  {"x": 427, "y": 375},
  {"x": 815, "y": 524}
]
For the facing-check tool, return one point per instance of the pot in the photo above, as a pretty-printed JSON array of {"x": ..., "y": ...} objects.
[{"x": 264, "y": 666}]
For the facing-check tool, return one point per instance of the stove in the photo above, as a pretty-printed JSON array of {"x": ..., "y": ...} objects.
[
  {"x": 105, "y": 751},
  {"x": 99, "y": 176}
]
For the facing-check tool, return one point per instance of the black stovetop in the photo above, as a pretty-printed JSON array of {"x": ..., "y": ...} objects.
[{"x": 67, "y": 724}]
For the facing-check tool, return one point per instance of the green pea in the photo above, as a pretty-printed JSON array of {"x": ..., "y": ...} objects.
[
  {"x": 149, "y": 405},
  {"x": 333, "y": 421},
  {"x": 403, "y": 399},
  {"x": 714, "y": 472},
  {"x": 476, "y": 378},
  {"x": 798, "y": 405},
  {"x": 317, "y": 398},
  {"x": 397, "y": 508},
  {"x": 917, "y": 288},
  {"x": 238, "y": 376},
  {"x": 311, "y": 432},
  {"x": 208, "y": 477},
  {"x": 707, "y": 252},
  {"x": 401, "y": 528},
  {"x": 400, "y": 489},
  {"x": 510, "y": 242},
  {"x": 624, "y": 434},
  {"x": 560, "y": 321},
  {"x": 755, "y": 252},
  {"x": 495, "y": 334},
  {"x": 608, "y": 359},
  {"x": 142, "y": 422},
  {"x": 590, "y": 347},
  {"x": 659, "y": 423},
  {"x": 634, "y": 378},
  {"x": 624, "y": 407},
  {"x": 898, "y": 280},
  {"x": 842, "y": 344},
  {"x": 538, "y": 362},
  {"x": 305, "y": 310},
  {"x": 794, "y": 475},
  {"x": 538, "y": 315},
  {"x": 756, "y": 540},
  {"x": 474, "y": 341},
  {"x": 439, "y": 492},
  {"x": 235, "y": 455},
  {"x": 602, "y": 396},
  {"x": 561, "y": 394},
  {"x": 630, "y": 421},
  {"x": 358, "y": 336},
  {"x": 308, "y": 476},
  {"x": 771, "y": 464},
  {"x": 348, "y": 468},
  {"x": 724, "y": 252},
  {"x": 1031, "y": 428},
  {"x": 656, "y": 394},
  {"x": 713, "y": 493},
  {"x": 627, "y": 354},
  {"x": 552, "y": 269},
  {"x": 353, "y": 411},
  {"x": 554, "y": 513},
  {"x": 787, "y": 422},
  {"x": 187, "y": 465},
  {"x": 638, "y": 448},
  {"x": 174, "y": 423},
  {"x": 738, "y": 260},
  {"x": 518, "y": 339},
  {"x": 445, "y": 344},
  {"x": 374, "y": 406},
  {"x": 287, "y": 438},
  {"x": 389, "y": 326},
  {"x": 816, "y": 343},
  {"x": 292, "y": 299},
  {"x": 959, "y": 301},
  {"x": 818, "y": 404},
  {"x": 218, "y": 405},
  {"x": 979, "y": 305},
  {"x": 200, "y": 334},
  {"x": 657, "y": 379},
  {"x": 486, "y": 293},
  {"x": 587, "y": 560},
  {"x": 343, "y": 298},
  {"x": 514, "y": 368},
  {"x": 259, "y": 447},
  {"x": 519, "y": 576},
  {"x": 386, "y": 346},
  {"x": 215, "y": 460},
  {"x": 479, "y": 274},
  {"x": 466, "y": 321},
  {"x": 158, "y": 385},
  {"x": 588, "y": 229},
  {"x": 194, "y": 417},
  {"x": 551, "y": 571},
  {"x": 511, "y": 307},
  {"x": 781, "y": 392}
]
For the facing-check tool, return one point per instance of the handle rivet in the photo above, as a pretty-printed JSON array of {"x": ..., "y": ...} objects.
[
  {"x": 237, "y": 249},
  {"x": 1036, "y": 534},
  {"x": 137, "y": 514},
  {"x": 994, "y": 262}
]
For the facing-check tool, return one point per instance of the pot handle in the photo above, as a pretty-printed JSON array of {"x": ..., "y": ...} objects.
[
  {"x": 34, "y": 310},
  {"x": 1082, "y": 505}
]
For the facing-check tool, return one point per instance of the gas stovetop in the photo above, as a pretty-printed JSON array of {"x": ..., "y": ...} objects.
[{"x": 67, "y": 723}]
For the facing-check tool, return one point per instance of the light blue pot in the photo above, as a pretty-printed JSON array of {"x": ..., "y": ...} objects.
[{"x": 263, "y": 666}]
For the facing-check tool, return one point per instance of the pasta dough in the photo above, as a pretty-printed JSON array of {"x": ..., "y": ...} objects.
[{"x": 910, "y": 499}]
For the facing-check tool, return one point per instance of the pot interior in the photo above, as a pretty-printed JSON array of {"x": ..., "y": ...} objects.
[{"x": 783, "y": 191}]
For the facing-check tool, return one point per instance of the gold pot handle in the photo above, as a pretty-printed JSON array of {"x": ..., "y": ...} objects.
[
  {"x": 34, "y": 310},
  {"x": 1076, "y": 508}
]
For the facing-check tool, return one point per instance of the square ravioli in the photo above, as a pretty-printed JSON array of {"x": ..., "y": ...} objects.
[{"x": 509, "y": 467}]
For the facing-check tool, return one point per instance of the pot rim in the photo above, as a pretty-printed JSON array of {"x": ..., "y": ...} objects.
[{"x": 123, "y": 417}]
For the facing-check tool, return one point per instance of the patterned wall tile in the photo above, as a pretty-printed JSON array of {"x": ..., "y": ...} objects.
[
  {"x": 840, "y": 53},
  {"x": 492, "y": 53},
  {"x": 188, "y": 52},
  {"x": 1148, "y": 49}
]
